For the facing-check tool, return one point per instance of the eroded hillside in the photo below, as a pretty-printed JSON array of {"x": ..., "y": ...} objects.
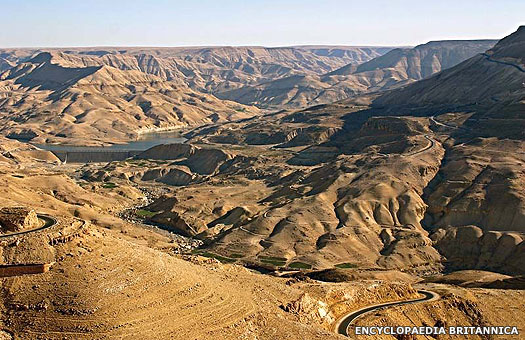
[
  {"x": 54, "y": 98},
  {"x": 398, "y": 67}
]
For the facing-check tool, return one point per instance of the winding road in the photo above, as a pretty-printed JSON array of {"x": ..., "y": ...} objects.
[
  {"x": 427, "y": 147},
  {"x": 49, "y": 221},
  {"x": 346, "y": 321},
  {"x": 489, "y": 58}
]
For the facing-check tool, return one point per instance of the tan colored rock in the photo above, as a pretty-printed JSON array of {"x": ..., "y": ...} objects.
[
  {"x": 17, "y": 219},
  {"x": 177, "y": 177},
  {"x": 206, "y": 161}
]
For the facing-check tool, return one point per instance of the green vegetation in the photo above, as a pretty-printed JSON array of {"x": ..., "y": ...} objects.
[
  {"x": 346, "y": 265},
  {"x": 276, "y": 261},
  {"x": 109, "y": 185},
  {"x": 240, "y": 109},
  {"x": 300, "y": 265},
  {"x": 221, "y": 258},
  {"x": 236, "y": 256},
  {"x": 145, "y": 213},
  {"x": 274, "y": 258}
]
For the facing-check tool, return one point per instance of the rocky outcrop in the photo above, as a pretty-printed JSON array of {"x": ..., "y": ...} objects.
[
  {"x": 17, "y": 219},
  {"x": 172, "y": 221},
  {"x": 236, "y": 216},
  {"x": 206, "y": 161},
  {"x": 177, "y": 177}
]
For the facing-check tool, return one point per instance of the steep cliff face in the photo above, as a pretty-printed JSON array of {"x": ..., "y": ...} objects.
[
  {"x": 398, "y": 67},
  {"x": 424, "y": 60}
]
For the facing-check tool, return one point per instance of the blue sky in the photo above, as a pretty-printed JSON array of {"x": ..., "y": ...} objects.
[{"x": 47, "y": 23}]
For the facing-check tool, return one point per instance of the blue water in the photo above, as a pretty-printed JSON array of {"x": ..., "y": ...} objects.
[{"x": 146, "y": 141}]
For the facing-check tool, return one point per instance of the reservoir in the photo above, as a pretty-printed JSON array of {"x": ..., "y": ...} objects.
[
  {"x": 145, "y": 142},
  {"x": 115, "y": 152}
]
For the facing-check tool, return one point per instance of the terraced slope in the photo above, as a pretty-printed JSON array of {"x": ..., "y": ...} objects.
[{"x": 105, "y": 287}]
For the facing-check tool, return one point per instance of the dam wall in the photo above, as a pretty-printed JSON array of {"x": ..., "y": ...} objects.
[{"x": 102, "y": 156}]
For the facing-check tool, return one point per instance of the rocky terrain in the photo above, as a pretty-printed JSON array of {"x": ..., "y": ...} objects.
[
  {"x": 116, "y": 94},
  {"x": 396, "y": 68},
  {"x": 213, "y": 69},
  {"x": 93, "y": 289},
  {"x": 17, "y": 219},
  {"x": 56, "y": 99},
  {"x": 350, "y": 181},
  {"x": 262, "y": 224}
]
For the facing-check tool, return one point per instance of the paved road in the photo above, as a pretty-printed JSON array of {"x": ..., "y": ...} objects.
[
  {"x": 429, "y": 146},
  {"x": 489, "y": 58},
  {"x": 347, "y": 320},
  {"x": 49, "y": 221},
  {"x": 433, "y": 119}
]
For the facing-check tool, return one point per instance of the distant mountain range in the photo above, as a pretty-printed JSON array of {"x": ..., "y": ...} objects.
[
  {"x": 398, "y": 67},
  {"x": 113, "y": 94}
]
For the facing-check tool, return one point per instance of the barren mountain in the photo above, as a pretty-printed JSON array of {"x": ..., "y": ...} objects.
[
  {"x": 214, "y": 69},
  {"x": 345, "y": 181},
  {"x": 55, "y": 97},
  {"x": 112, "y": 94},
  {"x": 396, "y": 68},
  {"x": 488, "y": 79},
  {"x": 293, "y": 92},
  {"x": 423, "y": 60},
  {"x": 262, "y": 225}
]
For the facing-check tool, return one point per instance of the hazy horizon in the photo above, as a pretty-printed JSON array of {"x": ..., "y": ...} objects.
[
  {"x": 217, "y": 46},
  {"x": 162, "y": 23}
]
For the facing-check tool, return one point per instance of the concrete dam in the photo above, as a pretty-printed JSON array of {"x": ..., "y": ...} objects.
[
  {"x": 117, "y": 152},
  {"x": 95, "y": 156}
]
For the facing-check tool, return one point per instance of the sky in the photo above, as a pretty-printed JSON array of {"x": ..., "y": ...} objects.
[{"x": 70, "y": 23}]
